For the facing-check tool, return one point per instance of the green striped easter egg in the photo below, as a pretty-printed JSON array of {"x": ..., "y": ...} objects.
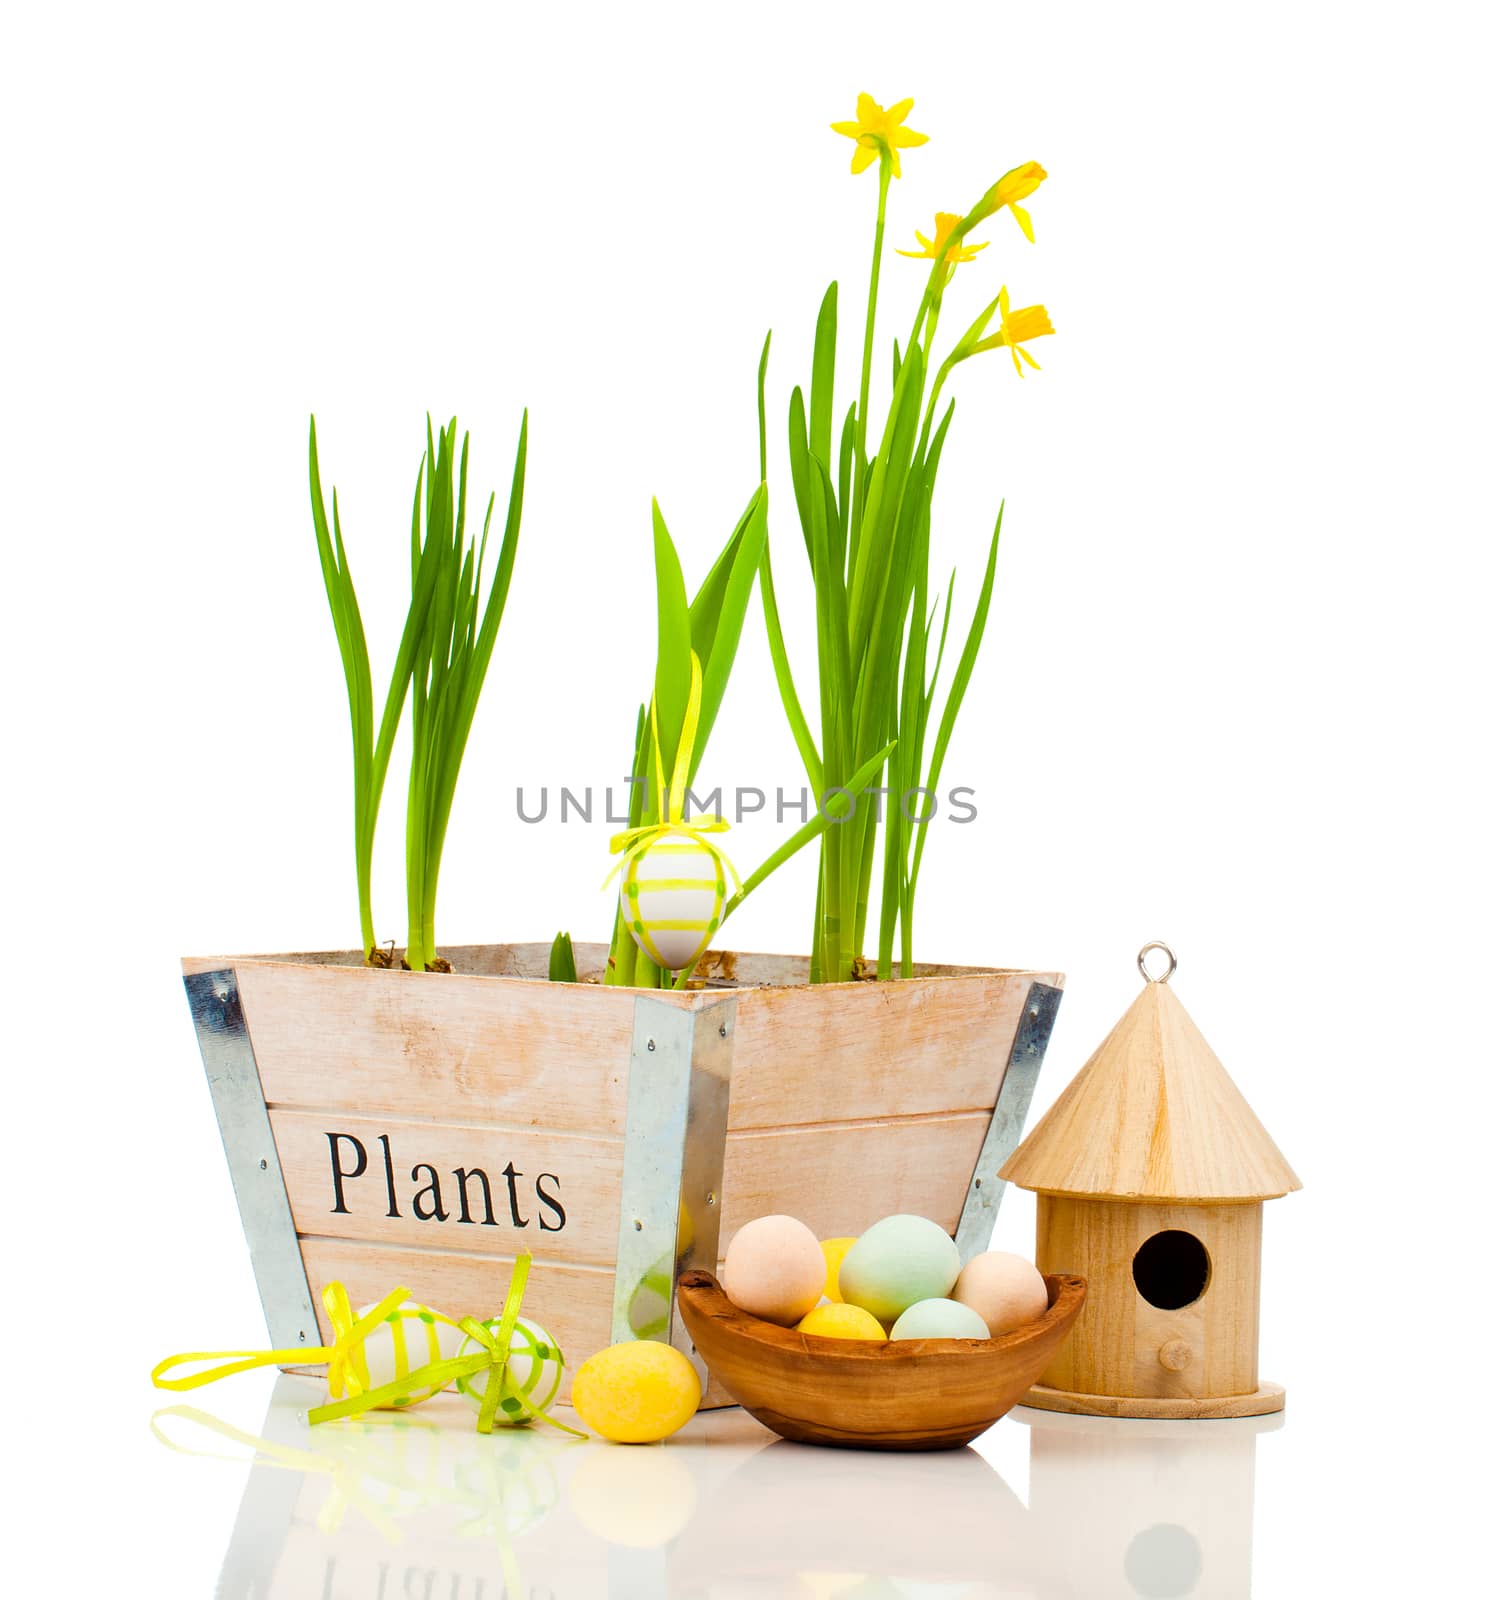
[
  {"x": 671, "y": 898},
  {"x": 535, "y": 1367},
  {"x": 411, "y": 1337}
]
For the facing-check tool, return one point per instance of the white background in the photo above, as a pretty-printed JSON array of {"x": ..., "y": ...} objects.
[{"x": 1229, "y": 695}]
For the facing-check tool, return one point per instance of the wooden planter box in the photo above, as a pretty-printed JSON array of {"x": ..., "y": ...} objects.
[{"x": 422, "y": 1129}]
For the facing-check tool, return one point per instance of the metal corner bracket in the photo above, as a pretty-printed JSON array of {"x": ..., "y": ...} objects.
[
  {"x": 252, "y": 1158},
  {"x": 986, "y": 1187},
  {"x": 675, "y": 1140}
]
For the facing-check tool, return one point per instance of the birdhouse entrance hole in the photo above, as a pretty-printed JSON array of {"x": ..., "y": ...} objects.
[{"x": 1171, "y": 1269}]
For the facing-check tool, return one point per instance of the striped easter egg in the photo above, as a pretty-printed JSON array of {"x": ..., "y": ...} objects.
[
  {"x": 534, "y": 1367},
  {"x": 671, "y": 898},
  {"x": 412, "y": 1336}
]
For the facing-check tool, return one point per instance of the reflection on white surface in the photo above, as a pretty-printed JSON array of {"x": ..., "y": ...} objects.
[
  {"x": 1162, "y": 1510},
  {"x": 418, "y": 1506}
]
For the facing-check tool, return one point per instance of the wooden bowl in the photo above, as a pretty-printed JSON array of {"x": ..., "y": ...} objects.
[{"x": 914, "y": 1394}]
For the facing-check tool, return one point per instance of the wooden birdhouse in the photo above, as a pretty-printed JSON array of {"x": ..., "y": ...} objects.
[{"x": 1150, "y": 1172}]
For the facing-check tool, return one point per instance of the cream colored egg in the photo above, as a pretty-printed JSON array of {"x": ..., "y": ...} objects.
[
  {"x": 1005, "y": 1289},
  {"x": 775, "y": 1269},
  {"x": 412, "y": 1336},
  {"x": 671, "y": 898}
]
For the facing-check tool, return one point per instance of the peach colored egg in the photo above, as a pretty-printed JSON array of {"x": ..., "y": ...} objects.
[
  {"x": 775, "y": 1269},
  {"x": 1005, "y": 1289}
]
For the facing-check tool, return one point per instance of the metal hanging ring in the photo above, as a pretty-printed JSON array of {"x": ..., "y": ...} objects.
[{"x": 1170, "y": 955}]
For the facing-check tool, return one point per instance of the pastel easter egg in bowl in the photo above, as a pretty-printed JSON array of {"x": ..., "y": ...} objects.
[
  {"x": 1006, "y": 1290},
  {"x": 671, "y": 898},
  {"x": 897, "y": 1262},
  {"x": 940, "y": 1319},
  {"x": 836, "y": 1251},
  {"x": 835, "y": 1320},
  {"x": 775, "y": 1269}
]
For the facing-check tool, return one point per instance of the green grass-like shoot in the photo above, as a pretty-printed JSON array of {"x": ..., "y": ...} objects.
[
  {"x": 562, "y": 964},
  {"x": 371, "y": 745},
  {"x": 444, "y": 653},
  {"x": 451, "y": 658}
]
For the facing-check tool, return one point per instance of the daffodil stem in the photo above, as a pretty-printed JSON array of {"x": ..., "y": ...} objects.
[
  {"x": 885, "y": 170},
  {"x": 928, "y": 334}
]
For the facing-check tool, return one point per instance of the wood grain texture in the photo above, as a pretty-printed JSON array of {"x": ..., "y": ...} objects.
[
  {"x": 495, "y": 1048},
  {"x": 1261, "y": 1402},
  {"x": 918, "y": 1394},
  {"x": 418, "y": 1044},
  {"x": 1115, "y": 1349},
  {"x": 833, "y": 1052},
  {"x": 840, "y": 1178},
  {"x": 476, "y": 1048},
  {"x": 1153, "y": 1115}
]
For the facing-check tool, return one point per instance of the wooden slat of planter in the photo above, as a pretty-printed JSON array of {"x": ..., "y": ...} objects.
[
  {"x": 839, "y": 1180},
  {"x": 573, "y": 1304},
  {"x": 843, "y": 1051},
  {"x": 553, "y": 1056},
  {"x": 587, "y": 1173}
]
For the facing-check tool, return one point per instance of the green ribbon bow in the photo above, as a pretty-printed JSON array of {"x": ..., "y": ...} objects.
[{"x": 493, "y": 1358}]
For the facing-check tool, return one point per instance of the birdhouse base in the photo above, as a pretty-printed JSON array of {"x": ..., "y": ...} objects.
[{"x": 1266, "y": 1398}]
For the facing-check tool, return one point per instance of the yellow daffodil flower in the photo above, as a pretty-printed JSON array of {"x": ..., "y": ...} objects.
[
  {"x": 1016, "y": 327},
  {"x": 879, "y": 133},
  {"x": 944, "y": 223},
  {"x": 1013, "y": 188}
]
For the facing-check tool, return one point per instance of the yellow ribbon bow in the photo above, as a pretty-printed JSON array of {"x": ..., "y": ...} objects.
[
  {"x": 633, "y": 842},
  {"x": 346, "y": 1358},
  {"x": 493, "y": 1358},
  {"x": 349, "y": 1380}
]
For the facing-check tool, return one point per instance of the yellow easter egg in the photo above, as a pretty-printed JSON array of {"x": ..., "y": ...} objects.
[
  {"x": 835, "y": 1252},
  {"x": 843, "y": 1322},
  {"x": 636, "y": 1393},
  {"x": 671, "y": 898}
]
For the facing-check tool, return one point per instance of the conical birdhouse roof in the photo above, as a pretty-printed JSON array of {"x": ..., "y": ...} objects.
[{"x": 1153, "y": 1116}]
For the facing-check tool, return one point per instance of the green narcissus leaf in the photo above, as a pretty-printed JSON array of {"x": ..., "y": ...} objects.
[
  {"x": 673, "y": 658},
  {"x": 562, "y": 965}
]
